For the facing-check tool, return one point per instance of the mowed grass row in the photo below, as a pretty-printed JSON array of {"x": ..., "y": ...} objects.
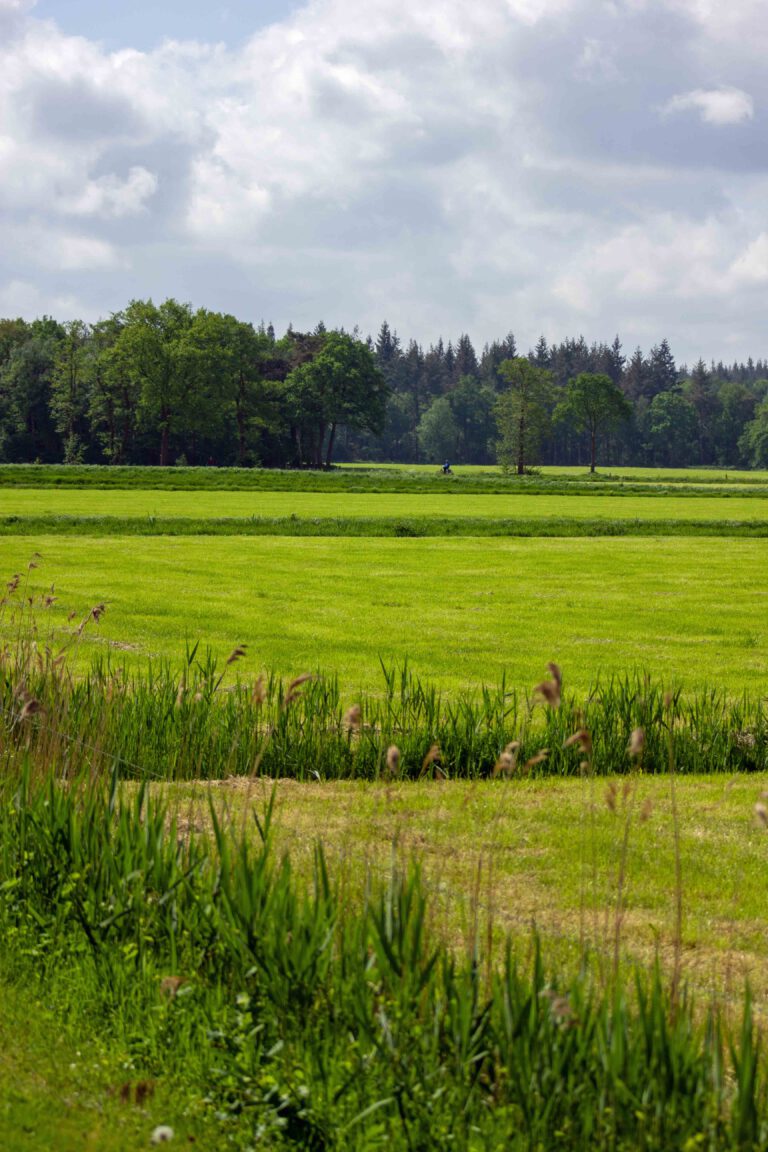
[
  {"x": 546, "y": 853},
  {"x": 125, "y": 503},
  {"x": 378, "y": 478},
  {"x": 581, "y": 471},
  {"x": 461, "y": 611}
]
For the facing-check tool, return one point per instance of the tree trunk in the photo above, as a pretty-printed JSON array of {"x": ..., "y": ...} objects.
[
  {"x": 164, "y": 446},
  {"x": 592, "y": 449},
  {"x": 329, "y": 452},
  {"x": 240, "y": 438}
]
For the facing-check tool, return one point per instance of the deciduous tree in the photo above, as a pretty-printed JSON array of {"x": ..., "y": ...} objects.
[
  {"x": 522, "y": 413},
  {"x": 595, "y": 405}
]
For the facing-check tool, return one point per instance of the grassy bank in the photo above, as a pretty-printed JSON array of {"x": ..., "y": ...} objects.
[
  {"x": 377, "y": 526},
  {"x": 374, "y": 478}
]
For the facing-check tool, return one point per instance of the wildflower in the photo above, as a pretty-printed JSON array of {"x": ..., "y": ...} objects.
[{"x": 162, "y": 1134}]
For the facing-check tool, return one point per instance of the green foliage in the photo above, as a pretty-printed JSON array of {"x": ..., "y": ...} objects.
[
  {"x": 157, "y": 724},
  {"x": 302, "y": 1021},
  {"x": 340, "y": 384},
  {"x": 522, "y": 414},
  {"x": 154, "y": 349},
  {"x": 754, "y": 442},
  {"x": 162, "y": 381},
  {"x": 438, "y": 432},
  {"x": 670, "y": 428},
  {"x": 595, "y": 404}
]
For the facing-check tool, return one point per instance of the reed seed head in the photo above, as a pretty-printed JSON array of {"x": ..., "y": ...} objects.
[
  {"x": 259, "y": 692},
  {"x": 761, "y": 814},
  {"x": 393, "y": 760},
  {"x": 582, "y": 740},
  {"x": 539, "y": 758},
  {"x": 636, "y": 743},
  {"x": 551, "y": 690},
  {"x": 353, "y": 718},
  {"x": 170, "y": 985},
  {"x": 507, "y": 761},
  {"x": 432, "y": 759},
  {"x": 237, "y": 654},
  {"x": 295, "y": 686}
]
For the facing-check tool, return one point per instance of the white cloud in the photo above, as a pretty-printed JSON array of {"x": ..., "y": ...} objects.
[
  {"x": 65, "y": 252},
  {"x": 109, "y": 196},
  {"x": 751, "y": 266},
  {"x": 450, "y": 166},
  {"x": 715, "y": 105}
]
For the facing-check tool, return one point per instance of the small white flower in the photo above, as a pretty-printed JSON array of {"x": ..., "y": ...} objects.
[{"x": 162, "y": 1134}]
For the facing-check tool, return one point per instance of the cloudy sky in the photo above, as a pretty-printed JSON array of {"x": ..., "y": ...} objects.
[{"x": 555, "y": 166}]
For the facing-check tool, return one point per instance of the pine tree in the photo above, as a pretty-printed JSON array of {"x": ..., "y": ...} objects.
[{"x": 662, "y": 373}]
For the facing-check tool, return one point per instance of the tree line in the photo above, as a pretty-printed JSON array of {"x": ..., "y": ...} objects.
[{"x": 163, "y": 384}]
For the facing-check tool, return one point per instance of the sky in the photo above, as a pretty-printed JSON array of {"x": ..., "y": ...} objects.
[{"x": 545, "y": 167}]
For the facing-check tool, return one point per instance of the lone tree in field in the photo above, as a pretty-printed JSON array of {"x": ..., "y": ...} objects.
[
  {"x": 522, "y": 413},
  {"x": 593, "y": 403}
]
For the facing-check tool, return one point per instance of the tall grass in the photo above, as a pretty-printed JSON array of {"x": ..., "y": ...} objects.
[
  {"x": 204, "y": 721},
  {"x": 303, "y": 1022},
  {"x": 377, "y": 526},
  {"x": 292, "y": 1015}
]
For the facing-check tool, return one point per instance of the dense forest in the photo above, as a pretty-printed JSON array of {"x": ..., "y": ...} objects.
[{"x": 164, "y": 384}]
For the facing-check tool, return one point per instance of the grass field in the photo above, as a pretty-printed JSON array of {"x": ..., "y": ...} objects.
[
  {"x": 461, "y": 611},
  {"x": 279, "y": 1038},
  {"x": 374, "y": 478},
  {"x": 548, "y": 853},
  {"x": 307, "y": 505},
  {"x": 652, "y": 475},
  {"x": 62, "y": 1091}
]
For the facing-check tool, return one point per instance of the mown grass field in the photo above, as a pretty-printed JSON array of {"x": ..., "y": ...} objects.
[
  {"x": 547, "y": 853},
  {"x": 652, "y": 475},
  {"x": 693, "y": 612},
  {"x": 409, "y": 506}
]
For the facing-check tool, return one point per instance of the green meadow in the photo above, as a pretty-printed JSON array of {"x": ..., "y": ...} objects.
[
  {"x": 91, "y": 502},
  {"x": 383, "y": 907},
  {"x": 461, "y": 611}
]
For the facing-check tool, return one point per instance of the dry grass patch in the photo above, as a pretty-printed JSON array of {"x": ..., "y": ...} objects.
[{"x": 500, "y": 857}]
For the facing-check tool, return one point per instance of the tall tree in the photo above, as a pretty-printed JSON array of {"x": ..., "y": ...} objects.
[
  {"x": 701, "y": 393},
  {"x": 522, "y": 413},
  {"x": 594, "y": 404},
  {"x": 662, "y": 372},
  {"x": 69, "y": 390},
  {"x": 438, "y": 432},
  {"x": 114, "y": 392},
  {"x": 754, "y": 440},
  {"x": 25, "y": 384},
  {"x": 155, "y": 349},
  {"x": 340, "y": 385},
  {"x": 670, "y": 430}
]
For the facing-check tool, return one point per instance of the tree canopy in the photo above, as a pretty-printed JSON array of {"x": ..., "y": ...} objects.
[
  {"x": 595, "y": 404},
  {"x": 167, "y": 383}
]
